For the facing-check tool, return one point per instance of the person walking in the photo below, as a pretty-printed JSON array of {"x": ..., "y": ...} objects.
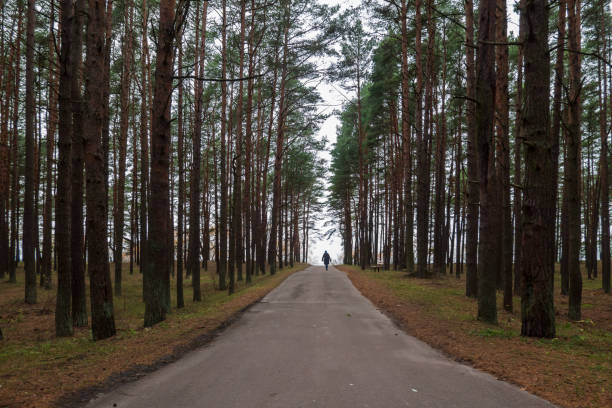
[{"x": 326, "y": 259}]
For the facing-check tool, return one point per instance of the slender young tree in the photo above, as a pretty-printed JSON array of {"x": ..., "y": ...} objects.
[
  {"x": 236, "y": 230},
  {"x": 30, "y": 228},
  {"x": 180, "y": 300},
  {"x": 222, "y": 257},
  {"x": 194, "y": 189},
  {"x": 119, "y": 209},
  {"x": 603, "y": 156},
  {"x": 556, "y": 128},
  {"x": 144, "y": 149},
  {"x": 46, "y": 260},
  {"x": 518, "y": 193},
  {"x": 278, "y": 157},
  {"x": 15, "y": 162}
]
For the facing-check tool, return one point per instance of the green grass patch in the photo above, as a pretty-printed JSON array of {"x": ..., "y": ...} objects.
[{"x": 494, "y": 332}]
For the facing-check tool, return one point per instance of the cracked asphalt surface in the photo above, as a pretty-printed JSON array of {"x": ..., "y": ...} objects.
[{"x": 315, "y": 341}]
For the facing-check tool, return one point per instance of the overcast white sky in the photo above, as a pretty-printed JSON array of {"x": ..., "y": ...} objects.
[{"x": 331, "y": 99}]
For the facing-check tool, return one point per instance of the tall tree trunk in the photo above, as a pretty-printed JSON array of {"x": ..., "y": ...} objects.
[
  {"x": 518, "y": 216},
  {"x": 556, "y": 131},
  {"x": 144, "y": 151},
  {"x": 472, "y": 195},
  {"x": 222, "y": 259},
  {"x": 485, "y": 95},
  {"x": 537, "y": 310},
  {"x": 180, "y": 299},
  {"x": 79, "y": 299},
  {"x": 194, "y": 189},
  {"x": 278, "y": 158},
  {"x": 14, "y": 241},
  {"x": 422, "y": 171},
  {"x": 407, "y": 144},
  {"x": 63, "y": 319},
  {"x": 249, "y": 227},
  {"x": 5, "y": 87},
  {"x": 603, "y": 162},
  {"x": 457, "y": 210},
  {"x": 126, "y": 80},
  {"x": 440, "y": 239},
  {"x": 502, "y": 125},
  {"x": 50, "y": 146},
  {"x": 157, "y": 302},
  {"x": 4, "y": 160},
  {"x": 106, "y": 92},
  {"x": 102, "y": 315},
  {"x": 29, "y": 221},
  {"x": 572, "y": 174},
  {"x": 236, "y": 230}
]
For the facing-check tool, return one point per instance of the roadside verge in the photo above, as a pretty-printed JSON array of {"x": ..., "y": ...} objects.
[
  {"x": 69, "y": 371},
  {"x": 574, "y": 370}
]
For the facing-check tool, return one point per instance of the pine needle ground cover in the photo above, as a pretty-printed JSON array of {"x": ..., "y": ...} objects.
[
  {"x": 37, "y": 369},
  {"x": 572, "y": 370}
]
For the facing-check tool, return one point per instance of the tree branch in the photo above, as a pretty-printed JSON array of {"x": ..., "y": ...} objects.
[{"x": 197, "y": 78}]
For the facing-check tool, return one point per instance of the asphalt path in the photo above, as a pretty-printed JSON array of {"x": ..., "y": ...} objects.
[{"x": 315, "y": 341}]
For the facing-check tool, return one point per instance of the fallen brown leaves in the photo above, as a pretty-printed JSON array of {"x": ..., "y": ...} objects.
[
  {"x": 134, "y": 349},
  {"x": 567, "y": 376}
]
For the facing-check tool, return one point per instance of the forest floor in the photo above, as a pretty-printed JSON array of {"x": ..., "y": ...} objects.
[
  {"x": 573, "y": 370},
  {"x": 39, "y": 370}
]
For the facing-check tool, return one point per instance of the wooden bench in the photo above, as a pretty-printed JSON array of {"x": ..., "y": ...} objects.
[{"x": 378, "y": 267}]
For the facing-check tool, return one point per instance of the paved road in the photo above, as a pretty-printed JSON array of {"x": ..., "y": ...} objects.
[{"x": 316, "y": 342}]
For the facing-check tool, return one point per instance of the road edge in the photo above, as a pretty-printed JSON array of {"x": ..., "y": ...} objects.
[{"x": 83, "y": 396}]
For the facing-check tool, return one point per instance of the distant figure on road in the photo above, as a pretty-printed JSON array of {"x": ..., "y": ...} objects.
[{"x": 326, "y": 259}]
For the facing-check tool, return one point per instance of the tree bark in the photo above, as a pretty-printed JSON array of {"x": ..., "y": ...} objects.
[
  {"x": 144, "y": 150},
  {"x": 30, "y": 228},
  {"x": 422, "y": 169},
  {"x": 194, "y": 189},
  {"x": 278, "y": 157},
  {"x": 14, "y": 241},
  {"x": 503, "y": 150},
  {"x": 63, "y": 318},
  {"x": 157, "y": 302},
  {"x": 222, "y": 259},
  {"x": 572, "y": 175},
  {"x": 485, "y": 95},
  {"x": 102, "y": 315},
  {"x": 46, "y": 260},
  {"x": 518, "y": 216},
  {"x": 79, "y": 299},
  {"x": 236, "y": 230},
  {"x": 180, "y": 299},
  {"x": 472, "y": 195},
  {"x": 126, "y": 80},
  {"x": 407, "y": 144},
  {"x": 603, "y": 163},
  {"x": 537, "y": 309},
  {"x": 7, "y": 83}
]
